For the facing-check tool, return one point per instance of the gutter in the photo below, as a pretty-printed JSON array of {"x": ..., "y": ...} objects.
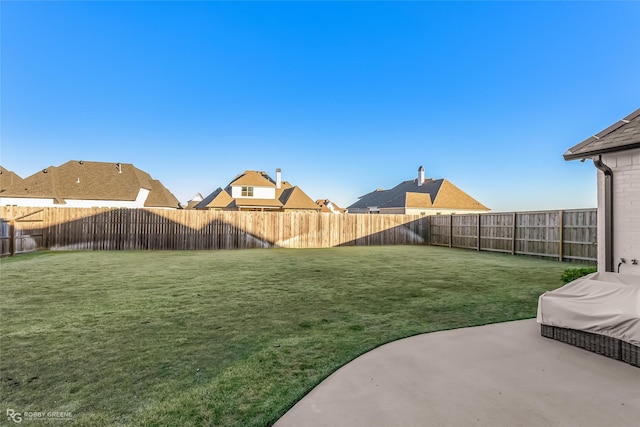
[
  {"x": 576, "y": 154},
  {"x": 608, "y": 212}
]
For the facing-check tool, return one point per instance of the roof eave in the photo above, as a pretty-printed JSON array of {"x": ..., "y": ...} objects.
[{"x": 568, "y": 155}]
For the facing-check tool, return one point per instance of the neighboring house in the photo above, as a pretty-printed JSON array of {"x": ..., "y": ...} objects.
[
  {"x": 8, "y": 178},
  {"x": 90, "y": 184},
  {"x": 420, "y": 196},
  {"x": 327, "y": 206},
  {"x": 256, "y": 191},
  {"x": 194, "y": 201},
  {"x": 615, "y": 152}
]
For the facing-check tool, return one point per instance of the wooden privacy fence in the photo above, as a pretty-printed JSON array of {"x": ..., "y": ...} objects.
[
  {"x": 568, "y": 235},
  {"x": 118, "y": 229}
]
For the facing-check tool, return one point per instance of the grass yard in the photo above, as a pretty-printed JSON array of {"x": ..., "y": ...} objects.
[{"x": 230, "y": 338}]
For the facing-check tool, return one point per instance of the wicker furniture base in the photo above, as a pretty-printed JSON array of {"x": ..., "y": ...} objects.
[
  {"x": 600, "y": 344},
  {"x": 631, "y": 354}
]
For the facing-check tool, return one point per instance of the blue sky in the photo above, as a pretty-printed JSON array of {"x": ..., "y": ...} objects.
[{"x": 345, "y": 97}]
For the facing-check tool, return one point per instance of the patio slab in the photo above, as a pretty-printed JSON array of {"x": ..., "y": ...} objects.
[{"x": 503, "y": 374}]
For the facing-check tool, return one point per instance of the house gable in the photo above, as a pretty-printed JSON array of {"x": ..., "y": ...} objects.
[
  {"x": 252, "y": 184},
  {"x": 293, "y": 198},
  {"x": 219, "y": 199},
  {"x": 418, "y": 200},
  {"x": 451, "y": 197}
]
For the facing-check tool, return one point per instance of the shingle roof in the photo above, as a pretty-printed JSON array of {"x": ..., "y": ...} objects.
[
  {"x": 451, "y": 197},
  {"x": 295, "y": 198},
  {"x": 221, "y": 200},
  {"x": 253, "y": 178},
  {"x": 433, "y": 193},
  {"x": 8, "y": 178},
  {"x": 160, "y": 196},
  {"x": 397, "y": 196},
  {"x": 620, "y": 136},
  {"x": 38, "y": 185},
  {"x": 191, "y": 204},
  {"x": 82, "y": 180},
  {"x": 218, "y": 199}
]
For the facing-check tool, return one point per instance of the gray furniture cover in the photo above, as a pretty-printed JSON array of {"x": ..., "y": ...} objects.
[{"x": 601, "y": 303}]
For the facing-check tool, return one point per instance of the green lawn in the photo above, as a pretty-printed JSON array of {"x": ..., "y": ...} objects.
[{"x": 230, "y": 338}]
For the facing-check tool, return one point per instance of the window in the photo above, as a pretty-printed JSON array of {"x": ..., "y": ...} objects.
[{"x": 247, "y": 191}]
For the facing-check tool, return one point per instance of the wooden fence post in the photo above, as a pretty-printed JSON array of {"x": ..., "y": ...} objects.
[
  {"x": 451, "y": 230},
  {"x": 426, "y": 222},
  {"x": 12, "y": 238},
  {"x": 560, "y": 234},
  {"x": 478, "y": 241},
  {"x": 513, "y": 231}
]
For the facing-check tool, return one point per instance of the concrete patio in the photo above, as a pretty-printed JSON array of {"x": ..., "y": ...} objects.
[{"x": 496, "y": 375}]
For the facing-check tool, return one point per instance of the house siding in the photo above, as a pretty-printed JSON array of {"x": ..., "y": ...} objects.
[
  {"x": 258, "y": 192},
  {"x": 626, "y": 210},
  {"x": 392, "y": 211},
  {"x": 73, "y": 203},
  {"x": 27, "y": 202}
]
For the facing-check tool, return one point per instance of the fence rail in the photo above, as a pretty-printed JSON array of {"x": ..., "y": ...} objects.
[{"x": 568, "y": 235}]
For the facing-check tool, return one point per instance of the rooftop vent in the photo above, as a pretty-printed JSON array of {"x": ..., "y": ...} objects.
[{"x": 119, "y": 167}]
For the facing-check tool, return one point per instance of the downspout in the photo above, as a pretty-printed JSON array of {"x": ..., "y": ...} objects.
[{"x": 608, "y": 212}]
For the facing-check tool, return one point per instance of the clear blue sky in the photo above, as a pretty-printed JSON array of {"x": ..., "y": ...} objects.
[{"x": 345, "y": 97}]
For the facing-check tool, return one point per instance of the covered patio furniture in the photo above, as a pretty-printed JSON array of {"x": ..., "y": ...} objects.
[{"x": 599, "y": 312}]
